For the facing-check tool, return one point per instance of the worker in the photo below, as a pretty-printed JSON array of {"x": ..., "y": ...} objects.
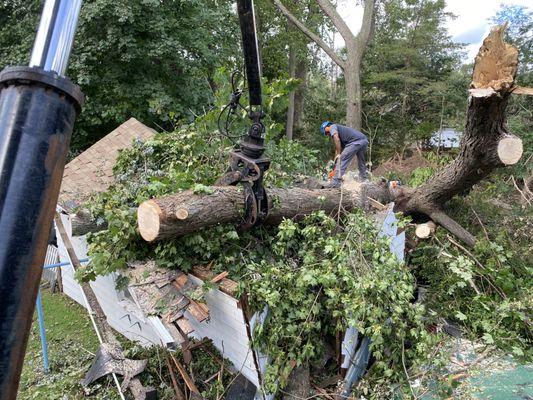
[{"x": 349, "y": 143}]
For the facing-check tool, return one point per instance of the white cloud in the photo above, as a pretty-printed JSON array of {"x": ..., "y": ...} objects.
[
  {"x": 472, "y": 20},
  {"x": 470, "y": 26}
]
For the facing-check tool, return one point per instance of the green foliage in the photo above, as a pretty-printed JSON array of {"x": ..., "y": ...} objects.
[
  {"x": 133, "y": 58},
  {"x": 319, "y": 280},
  {"x": 409, "y": 79},
  {"x": 420, "y": 175},
  {"x": 191, "y": 157},
  {"x": 486, "y": 290}
]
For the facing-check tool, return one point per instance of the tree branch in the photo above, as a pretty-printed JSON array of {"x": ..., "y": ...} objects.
[
  {"x": 453, "y": 227},
  {"x": 330, "y": 10},
  {"x": 307, "y": 32},
  {"x": 367, "y": 26}
]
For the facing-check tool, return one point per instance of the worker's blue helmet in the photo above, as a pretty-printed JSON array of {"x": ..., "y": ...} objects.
[{"x": 324, "y": 126}]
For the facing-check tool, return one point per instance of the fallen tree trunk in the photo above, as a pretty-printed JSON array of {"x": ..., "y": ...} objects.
[
  {"x": 485, "y": 146},
  {"x": 186, "y": 212}
]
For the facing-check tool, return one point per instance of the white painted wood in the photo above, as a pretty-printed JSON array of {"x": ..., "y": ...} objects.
[
  {"x": 52, "y": 257},
  {"x": 120, "y": 317}
]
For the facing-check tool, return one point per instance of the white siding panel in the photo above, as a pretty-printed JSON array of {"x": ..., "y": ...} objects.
[{"x": 120, "y": 318}]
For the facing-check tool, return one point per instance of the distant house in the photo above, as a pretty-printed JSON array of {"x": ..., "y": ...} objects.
[
  {"x": 447, "y": 138},
  {"x": 157, "y": 307}
]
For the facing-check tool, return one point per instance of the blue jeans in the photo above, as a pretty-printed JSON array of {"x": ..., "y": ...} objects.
[{"x": 348, "y": 153}]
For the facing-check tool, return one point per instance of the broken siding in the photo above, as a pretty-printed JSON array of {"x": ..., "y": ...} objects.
[
  {"x": 226, "y": 327},
  {"x": 52, "y": 257},
  {"x": 121, "y": 316}
]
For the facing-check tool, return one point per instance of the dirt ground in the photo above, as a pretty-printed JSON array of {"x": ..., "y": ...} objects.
[{"x": 402, "y": 167}]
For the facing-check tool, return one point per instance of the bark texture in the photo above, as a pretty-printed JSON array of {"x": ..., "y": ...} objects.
[
  {"x": 486, "y": 145},
  {"x": 159, "y": 219},
  {"x": 299, "y": 95},
  {"x": 493, "y": 80},
  {"x": 289, "y": 126}
]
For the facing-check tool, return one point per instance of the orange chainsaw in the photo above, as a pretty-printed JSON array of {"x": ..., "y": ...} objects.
[{"x": 331, "y": 175}]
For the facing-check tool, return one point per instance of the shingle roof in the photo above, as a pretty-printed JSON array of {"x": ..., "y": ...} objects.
[{"x": 92, "y": 170}]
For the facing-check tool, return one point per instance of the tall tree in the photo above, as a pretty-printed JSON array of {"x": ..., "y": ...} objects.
[
  {"x": 134, "y": 58},
  {"x": 350, "y": 64},
  {"x": 410, "y": 76},
  {"x": 298, "y": 61}
]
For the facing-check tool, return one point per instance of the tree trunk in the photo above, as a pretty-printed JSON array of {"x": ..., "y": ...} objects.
[
  {"x": 486, "y": 144},
  {"x": 299, "y": 95},
  {"x": 355, "y": 45},
  {"x": 186, "y": 212},
  {"x": 289, "y": 127},
  {"x": 353, "y": 90}
]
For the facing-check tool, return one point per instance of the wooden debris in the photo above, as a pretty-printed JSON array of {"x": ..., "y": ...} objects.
[
  {"x": 523, "y": 90},
  {"x": 201, "y": 343},
  {"x": 176, "y": 310},
  {"x": 175, "y": 333},
  {"x": 225, "y": 285},
  {"x": 185, "y": 347},
  {"x": 198, "y": 310},
  {"x": 219, "y": 277},
  {"x": 376, "y": 204},
  {"x": 186, "y": 377},
  {"x": 184, "y": 324},
  {"x": 179, "y": 393},
  {"x": 180, "y": 281},
  {"x": 322, "y": 392}
]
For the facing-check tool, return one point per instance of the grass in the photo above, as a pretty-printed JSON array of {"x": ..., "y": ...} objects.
[{"x": 71, "y": 345}]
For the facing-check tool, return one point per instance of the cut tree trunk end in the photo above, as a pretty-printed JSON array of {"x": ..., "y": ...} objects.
[
  {"x": 510, "y": 149},
  {"x": 486, "y": 143},
  {"x": 186, "y": 212},
  {"x": 425, "y": 230}
]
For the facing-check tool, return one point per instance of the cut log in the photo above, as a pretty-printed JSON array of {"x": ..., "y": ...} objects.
[
  {"x": 425, "y": 230},
  {"x": 510, "y": 149},
  {"x": 157, "y": 218}
]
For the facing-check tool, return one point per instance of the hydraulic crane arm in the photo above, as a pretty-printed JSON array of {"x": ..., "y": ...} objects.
[
  {"x": 38, "y": 107},
  {"x": 250, "y": 45},
  {"x": 247, "y": 164}
]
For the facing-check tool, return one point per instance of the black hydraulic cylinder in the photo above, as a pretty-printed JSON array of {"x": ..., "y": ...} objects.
[
  {"x": 37, "y": 113},
  {"x": 250, "y": 46}
]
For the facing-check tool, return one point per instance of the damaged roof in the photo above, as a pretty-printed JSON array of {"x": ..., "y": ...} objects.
[{"x": 92, "y": 171}]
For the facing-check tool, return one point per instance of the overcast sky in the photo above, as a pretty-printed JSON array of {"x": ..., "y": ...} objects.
[{"x": 470, "y": 26}]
